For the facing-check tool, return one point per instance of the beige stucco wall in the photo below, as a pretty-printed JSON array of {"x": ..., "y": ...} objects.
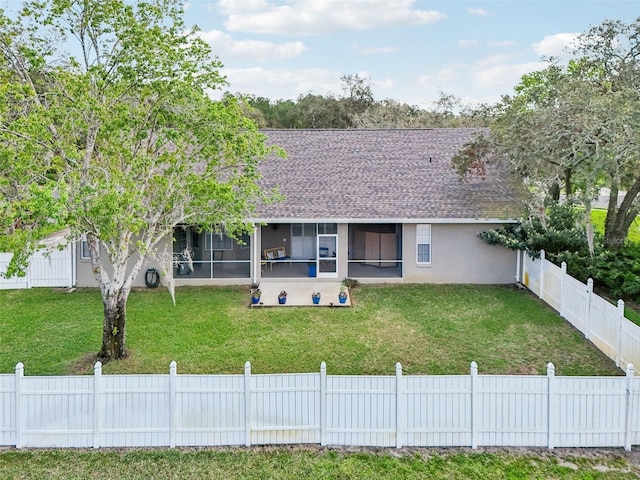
[
  {"x": 85, "y": 277},
  {"x": 458, "y": 256}
]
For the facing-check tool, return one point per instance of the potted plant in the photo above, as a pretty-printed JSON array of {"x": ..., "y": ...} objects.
[
  {"x": 315, "y": 297},
  {"x": 282, "y": 297},
  {"x": 255, "y": 295},
  {"x": 342, "y": 296}
]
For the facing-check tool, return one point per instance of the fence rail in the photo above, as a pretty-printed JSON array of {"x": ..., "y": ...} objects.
[
  {"x": 52, "y": 267},
  {"x": 599, "y": 321},
  {"x": 382, "y": 411}
]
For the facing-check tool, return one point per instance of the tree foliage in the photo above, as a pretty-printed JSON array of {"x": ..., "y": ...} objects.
[
  {"x": 117, "y": 138},
  {"x": 574, "y": 129},
  {"x": 358, "y": 108}
]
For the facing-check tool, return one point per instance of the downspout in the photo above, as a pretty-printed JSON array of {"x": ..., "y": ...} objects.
[{"x": 255, "y": 259}]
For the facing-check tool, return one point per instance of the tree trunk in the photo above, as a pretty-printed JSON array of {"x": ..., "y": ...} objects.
[
  {"x": 619, "y": 219},
  {"x": 114, "y": 326}
]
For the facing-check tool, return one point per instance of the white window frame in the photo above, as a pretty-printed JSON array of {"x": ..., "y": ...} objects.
[
  {"x": 423, "y": 237},
  {"x": 222, "y": 243}
]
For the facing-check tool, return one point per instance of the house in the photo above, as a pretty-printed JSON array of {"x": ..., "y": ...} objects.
[{"x": 374, "y": 205}]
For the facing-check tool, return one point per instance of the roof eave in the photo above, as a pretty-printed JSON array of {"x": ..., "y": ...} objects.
[{"x": 386, "y": 220}]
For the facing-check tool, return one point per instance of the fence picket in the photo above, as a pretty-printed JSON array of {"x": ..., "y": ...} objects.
[
  {"x": 97, "y": 405},
  {"x": 551, "y": 372},
  {"x": 628, "y": 430},
  {"x": 19, "y": 375},
  {"x": 475, "y": 415}
]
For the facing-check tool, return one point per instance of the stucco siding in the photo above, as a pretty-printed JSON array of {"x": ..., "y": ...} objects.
[
  {"x": 458, "y": 256},
  {"x": 85, "y": 277}
]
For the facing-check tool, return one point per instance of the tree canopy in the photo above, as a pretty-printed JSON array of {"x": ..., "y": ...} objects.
[
  {"x": 358, "y": 108},
  {"x": 574, "y": 129},
  {"x": 106, "y": 126}
]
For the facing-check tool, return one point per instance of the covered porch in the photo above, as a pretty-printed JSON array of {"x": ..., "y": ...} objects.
[{"x": 331, "y": 250}]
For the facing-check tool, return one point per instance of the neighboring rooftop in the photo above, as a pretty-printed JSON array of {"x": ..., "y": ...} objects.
[{"x": 382, "y": 174}]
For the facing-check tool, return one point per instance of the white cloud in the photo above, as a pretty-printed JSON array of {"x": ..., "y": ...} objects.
[
  {"x": 385, "y": 84},
  {"x": 477, "y": 11},
  {"x": 307, "y": 17},
  {"x": 443, "y": 76},
  {"x": 554, "y": 45},
  {"x": 504, "y": 76},
  {"x": 467, "y": 43},
  {"x": 370, "y": 50},
  {"x": 482, "y": 81},
  {"x": 224, "y": 46},
  {"x": 282, "y": 84},
  {"x": 502, "y": 43},
  {"x": 234, "y": 7}
]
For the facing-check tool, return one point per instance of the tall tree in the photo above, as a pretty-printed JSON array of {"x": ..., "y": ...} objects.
[
  {"x": 358, "y": 93},
  {"x": 575, "y": 128},
  {"x": 118, "y": 139},
  {"x": 613, "y": 51}
]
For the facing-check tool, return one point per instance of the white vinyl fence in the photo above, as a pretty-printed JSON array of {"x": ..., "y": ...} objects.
[
  {"x": 382, "y": 411},
  {"x": 52, "y": 267},
  {"x": 599, "y": 321}
]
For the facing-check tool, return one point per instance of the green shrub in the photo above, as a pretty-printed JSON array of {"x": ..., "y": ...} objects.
[{"x": 563, "y": 239}]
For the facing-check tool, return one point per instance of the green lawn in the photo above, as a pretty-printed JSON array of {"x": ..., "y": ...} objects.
[
  {"x": 429, "y": 329},
  {"x": 300, "y": 463},
  {"x": 598, "y": 217}
]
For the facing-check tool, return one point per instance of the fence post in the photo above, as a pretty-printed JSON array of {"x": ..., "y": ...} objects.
[
  {"x": 518, "y": 266},
  {"x": 542, "y": 259},
  {"x": 97, "y": 403},
  {"x": 551, "y": 373},
  {"x": 629, "y": 406},
  {"x": 247, "y": 404},
  {"x": 18, "y": 403},
  {"x": 173, "y": 371},
  {"x": 323, "y": 404},
  {"x": 563, "y": 267},
  {"x": 587, "y": 333},
  {"x": 399, "y": 408},
  {"x": 620, "y": 325},
  {"x": 475, "y": 418}
]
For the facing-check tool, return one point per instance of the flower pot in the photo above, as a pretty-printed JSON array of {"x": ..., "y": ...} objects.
[
  {"x": 316, "y": 300},
  {"x": 282, "y": 300},
  {"x": 342, "y": 298},
  {"x": 255, "y": 300}
]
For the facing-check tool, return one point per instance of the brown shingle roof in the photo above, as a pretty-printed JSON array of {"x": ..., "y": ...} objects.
[{"x": 382, "y": 174}]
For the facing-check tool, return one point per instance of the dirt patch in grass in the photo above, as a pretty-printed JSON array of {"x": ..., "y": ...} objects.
[{"x": 83, "y": 365}]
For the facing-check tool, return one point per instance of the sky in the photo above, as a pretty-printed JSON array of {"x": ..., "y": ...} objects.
[{"x": 409, "y": 50}]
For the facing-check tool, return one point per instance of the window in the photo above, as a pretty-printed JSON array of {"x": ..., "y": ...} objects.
[
  {"x": 303, "y": 230},
  {"x": 85, "y": 254},
  {"x": 217, "y": 241},
  {"x": 328, "y": 228},
  {"x": 423, "y": 244}
]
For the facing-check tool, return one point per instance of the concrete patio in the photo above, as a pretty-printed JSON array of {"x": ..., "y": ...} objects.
[{"x": 299, "y": 294}]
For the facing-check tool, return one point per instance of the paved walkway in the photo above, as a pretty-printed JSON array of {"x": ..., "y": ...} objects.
[{"x": 299, "y": 294}]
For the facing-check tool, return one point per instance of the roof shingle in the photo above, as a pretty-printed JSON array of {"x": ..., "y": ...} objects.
[{"x": 382, "y": 174}]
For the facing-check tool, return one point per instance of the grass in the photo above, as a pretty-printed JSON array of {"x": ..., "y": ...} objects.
[
  {"x": 598, "y": 217},
  {"x": 429, "y": 329},
  {"x": 295, "y": 463}
]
